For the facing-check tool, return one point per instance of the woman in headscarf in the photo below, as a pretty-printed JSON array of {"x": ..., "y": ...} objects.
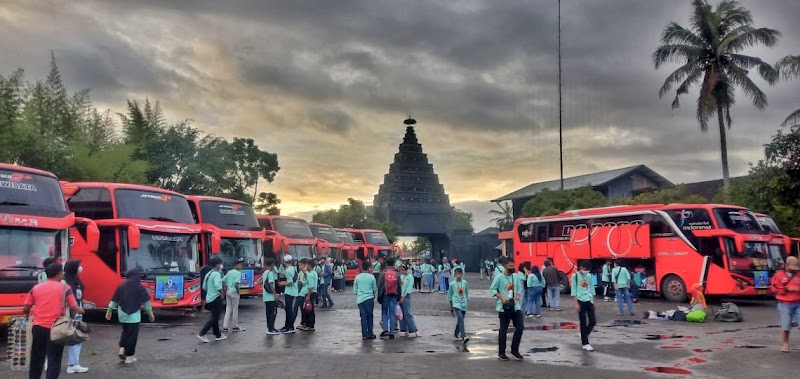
[
  {"x": 72, "y": 268},
  {"x": 536, "y": 284},
  {"x": 128, "y": 300}
]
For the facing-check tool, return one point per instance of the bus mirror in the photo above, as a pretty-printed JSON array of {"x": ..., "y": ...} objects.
[
  {"x": 92, "y": 236},
  {"x": 739, "y": 239},
  {"x": 216, "y": 242},
  {"x": 134, "y": 237}
]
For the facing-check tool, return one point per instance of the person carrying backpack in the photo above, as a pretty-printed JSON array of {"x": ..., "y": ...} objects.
[{"x": 389, "y": 290}]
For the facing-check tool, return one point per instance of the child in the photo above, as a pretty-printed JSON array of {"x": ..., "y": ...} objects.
[
  {"x": 233, "y": 280},
  {"x": 407, "y": 325},
  {"x": 366, "y": 288},
  {"x": 458, "y": 296},
  {"x": 269, "y": 295}
]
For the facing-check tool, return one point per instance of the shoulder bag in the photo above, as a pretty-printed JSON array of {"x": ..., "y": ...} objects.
[{"x": 66, "y": 331}]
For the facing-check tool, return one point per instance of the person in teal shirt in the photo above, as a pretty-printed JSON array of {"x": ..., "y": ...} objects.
[
  {"x": 42, "y": 276},
  {"x": 215, "y": 289},
  {"x": 499, "y": 268},
  {"x": 233, "y": 282},
  {"x": 290, "y": 293},
  {"x": 582, "y": 290},
  {"x": 605, "y": 277},
  {"x": 269, "y": 295},
  {"x": 129, "y": 299},
  {"x": 536, "y": 284},
  {"x": 308, "y": 293},
  {"x": 622, "y": 286},
  {"x": 366, "y": 289},
  {"x": 504, "y": 289},
  {"x": 457, "y": 264},
  {"x": 458, "y": 297},
  {"x": 408, "y": 327},
  {"x": 427, "y": 277}
]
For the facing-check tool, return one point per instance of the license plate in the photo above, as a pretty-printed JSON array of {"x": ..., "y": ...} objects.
[
  {"x": 7, "y": 318},
  {"x": 244, "y": 291},
  {"x": 170, "y": 300},
  {"x": 763, "y": 292}
]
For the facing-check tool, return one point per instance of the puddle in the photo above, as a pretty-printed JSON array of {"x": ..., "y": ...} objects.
[
  {"x": 725, "y": 331},
  {"x": 749, "y": 347},
  {"x": 703, "y": 350},
  {"x": 626, "y": 323},
  {"x": 555, "y": 326},
  {"x": 543, "y": 349},
  {"x": 696, "y": 360},
  {"x": 164, "y": 339},
  {"x": 658, "y": 337},
  {"x": 430, "y": 351},
  {"x": 669, "y": 370},
  {"x": 671, "y": 347}
]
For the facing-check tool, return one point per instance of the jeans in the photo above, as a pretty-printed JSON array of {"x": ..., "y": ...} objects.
[
  {"x": 365, "y": 310},
  {"x": 554, "y": 297},
  {"x": 388, "y": 317},
  {"x": 325, "y": 296},
  {"x": 290, "y": 314},
  {"x": 407, "y": 324},
  {"x": 442, "y": 283},
  {"x": 517, "y": 318},
  {"x": 231, "y": 311},
  {"x": 587, "y": 319},
  {"x": 429, "y": 282},
  {"x": 535, "y": 299},
  {"x": 624, "y": 295},
  {"x": 129, "y": 338},
  {"x": 42, "y": 349},
  {"x": 271, "y": 313},
  {"x": 74, "y": 352},
  {"x": 460, "y": 322},
  {"x": 213, "y": 322}
]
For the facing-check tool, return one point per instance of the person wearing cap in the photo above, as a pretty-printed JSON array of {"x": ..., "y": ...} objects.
[
  {"x": 233, "y": 280},
  {"x": 290, "y": 292},
  {"x": 786, "y": 286}
]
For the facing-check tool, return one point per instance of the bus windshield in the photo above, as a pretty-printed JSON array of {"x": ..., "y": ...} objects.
[
  {"x": 299, "y": 252},
  {"x": 325, "y": 232},
  {"x": 164, "y": 253},
  {"x": 151, "y": 205},
  {"x": 769, "y": 224},
  {"x": 377, "y": 238},
  {"x": 22, "y": 251},
  {"x": 345, "y": 237},
  {"x": 229, "y": 215},
  {"x": 31, "y": 194},
  {"x": 755, "y": 257},
  {"x": 249, "y": 249},
  {"x": 738, "y": 220},
  {"x": 292, "y": 228}
]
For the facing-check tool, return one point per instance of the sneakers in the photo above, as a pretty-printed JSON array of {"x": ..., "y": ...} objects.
[
  {"x": 384, "y": 334},
  {"x": 391, "y": 336},
  {"x": 203, "y": 338},
  {"x": 287, "y": 331},
  {"x": 221, "y": 337},
  {"x": 77, "y": 369},
  {"x": 588, "y": 347},
  {"x": 273, "y": 332},
  {"x": 131, "y": 360},
  {"x": 620, "y": 314},
  {"x": 528, "y": 316},
  {"x": 403, "y": 334},
  {"x": 465, "y": 341},
  {"x": 606, "y": 299},
  {"x": 372, "y": 337},
  {"x": 224, "y": 329},
  {"x": 537, "y": 316},
  {"x": 503, "y": 357},
  {"x": 517, "y": 355},
  {"x": 238, "y": 329}
]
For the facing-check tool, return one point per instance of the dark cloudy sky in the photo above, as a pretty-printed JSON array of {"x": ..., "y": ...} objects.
[{"x": 326, "y": 84}]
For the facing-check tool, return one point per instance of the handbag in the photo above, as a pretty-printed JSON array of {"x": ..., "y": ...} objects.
[
  {"x": 308, "y": 306},
  {"x": 66, "y": 331}
]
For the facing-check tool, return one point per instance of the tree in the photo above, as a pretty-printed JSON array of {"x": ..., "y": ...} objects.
[
  {"x": 677, "y": 194},
  {"x": 548, "y": 202},
  {"x": 709, "y": 52},
  {"x": 504, "y": 217},
  {"x": 355, "y": 214},
  {"x": 462, "y": 220},
  {"x": 267, "y": 203}
]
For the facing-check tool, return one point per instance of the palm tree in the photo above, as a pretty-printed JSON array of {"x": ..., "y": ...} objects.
[
  {"x": 710, "y": 54},
  {"x": 505, "y": 216},
  {"x": 790, "y": 68}
]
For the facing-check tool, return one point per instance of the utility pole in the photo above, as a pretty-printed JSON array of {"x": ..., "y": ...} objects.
[{"x": 560, "y": 110}]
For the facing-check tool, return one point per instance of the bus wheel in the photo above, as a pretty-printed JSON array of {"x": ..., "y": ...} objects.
[
  {"x": 673, "y": 289},
  {"x": 563, "y": 283}
]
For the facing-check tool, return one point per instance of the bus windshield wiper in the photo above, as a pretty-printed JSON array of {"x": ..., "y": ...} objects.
[
  {"x": 234, "y": 224},
  {"x": 14, "y": 203},
  {"x": 159, "y": 218}
]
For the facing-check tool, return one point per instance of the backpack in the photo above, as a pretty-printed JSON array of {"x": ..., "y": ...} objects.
[
  {"x": 390, "y": 282},
  {"x": 729, "y": 313}
]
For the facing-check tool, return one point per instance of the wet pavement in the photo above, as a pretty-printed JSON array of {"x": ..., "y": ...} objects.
[{"x": 626, "y": 346}]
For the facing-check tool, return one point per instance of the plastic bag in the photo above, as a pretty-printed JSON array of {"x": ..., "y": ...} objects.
[
  {"x": 398, "y": 312},
  {"x": 696, "y": 316}
]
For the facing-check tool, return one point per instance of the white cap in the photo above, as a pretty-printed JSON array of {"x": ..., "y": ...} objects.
[{"x": 287, "y": 258}]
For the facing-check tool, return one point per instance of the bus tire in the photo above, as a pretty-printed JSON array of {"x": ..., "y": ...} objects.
[
  {"x": 563, "y": 283},
  {"x": 673, "y": 289}
]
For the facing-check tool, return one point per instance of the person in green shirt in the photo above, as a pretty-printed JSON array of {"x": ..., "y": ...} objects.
[
  {"x": 233, "y": 281},
  {"x": 376, "y": 267},
  {"x": 427, "y": 277},
  {"x": 458, "y": 297},
  {"x": 129, "y": 299},
  {"x": 536, "y": 284},
  {"x": 582, "y": 290},
  {"x": 499, "y": 268},
  {"x": 606, "y": 279},
  {"x": 42, "y": 276},
  {"x": 408, "y": 327},
  {"x": 622, "y": 286},
  {"x": 508, "y": 308},
  {"x": 269, "y": 295},
  {"x": 309, "y": 293},
  {"x": 366, "y": 289},
  {"x": 290, "y": 293},
  {"x": 215, "y": 289}
]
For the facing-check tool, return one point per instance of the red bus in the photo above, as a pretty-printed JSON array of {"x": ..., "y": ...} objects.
[
  {"x": 140, "y": 227},
  {"x": 722, "y": 247},
  {"x": 34, "y": 225},
  {"x": 371, "y": 244},
  {"x": 349, "y": 253},
  {"x": 780, "y": 246},
  {"x": 288, "y": 235},
  {"x": 241, "y": 237},
  {"x": 329, "y": 243}
]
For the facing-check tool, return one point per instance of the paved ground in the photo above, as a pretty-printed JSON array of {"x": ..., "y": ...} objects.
[{"x": 169, "y": 348}]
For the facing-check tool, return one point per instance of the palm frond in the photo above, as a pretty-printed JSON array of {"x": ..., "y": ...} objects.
[
  {"x": 789, "y": 66},
  {"x": 793, "y": 119},
  {"x": 675, "y": 53},
  {"x": 677, "y": 34},
  {"x": 765, "y": 70},
  {"x": 692, "y": 78},
  {"x": 739, "y": 77},
  {"x": 688, "y": 70},
  {"x": 747, "y": 36},
  {"x": 706, "y": 103},
  {"x": 732, "y": 15},
  {"x": 701, "y": 10}
]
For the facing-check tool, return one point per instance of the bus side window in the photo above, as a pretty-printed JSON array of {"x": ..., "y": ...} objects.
[
  {"x": 541, "y": 233},
  {"x": 710, "y": 247},
  {"x": 107, "y": 251}
]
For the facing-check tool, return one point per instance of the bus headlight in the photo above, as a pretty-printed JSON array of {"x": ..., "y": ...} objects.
[{"x": 194, "y": 287}]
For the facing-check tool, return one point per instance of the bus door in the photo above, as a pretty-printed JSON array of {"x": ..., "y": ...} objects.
[
  {"x": 713, "y": 273},
  {"x": 541, "y": 240},
  {"x": 795, "y": 247}
]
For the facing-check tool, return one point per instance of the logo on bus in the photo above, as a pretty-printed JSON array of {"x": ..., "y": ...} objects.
[
  {"x": 243, "y": 234},
  {"x": 156, "y": 197},
  {"x": 18, "y": 221},
  {"x": 569, "y": 228}
]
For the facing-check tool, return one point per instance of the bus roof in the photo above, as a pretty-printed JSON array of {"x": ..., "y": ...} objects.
[
  {"x": 274, "y": 217},
  {"x": 78, "y": 185},
  {"x": 321, "y": 224},
  {"x": 611, "y": 209},
  {"x": 214, "y": 198},
  {"x": 11, "y": 167}
]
